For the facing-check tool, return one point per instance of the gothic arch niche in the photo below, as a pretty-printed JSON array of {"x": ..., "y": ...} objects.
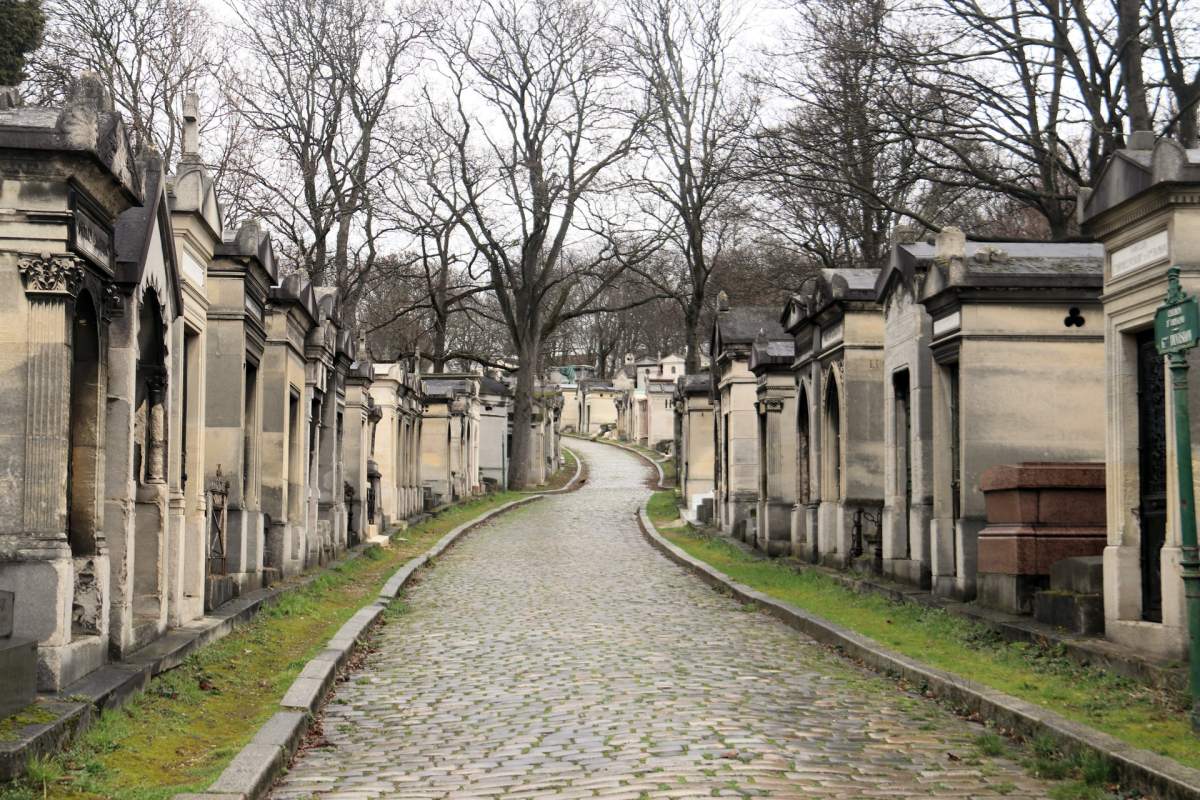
[
  {"x": 150, "y": 437},
  {"x": 82, "y": 517},
  {"x": 83, "y": 470},
  {"x": 803, "y": 448},
  {"x": 833, "y": 440},
  {"x": 150, "y": 458}
]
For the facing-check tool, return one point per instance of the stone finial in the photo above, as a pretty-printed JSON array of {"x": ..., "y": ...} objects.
[
  {"x": 88, "y": 90},
  {"x": 906, "y": 234},
  {"x": 1082, "y": 195},
  {"x": 1169, "y": 161},
  {"x": 951, "y": 243},
  {"x": 10, "y": 98},
  {"x": 722, "y": 301},
  {"x": 990, "y": 254},
  {"x": 1141, "y": 140},
  {"x": 248, "y": 235},
  {"x": 191, "y": 125}
]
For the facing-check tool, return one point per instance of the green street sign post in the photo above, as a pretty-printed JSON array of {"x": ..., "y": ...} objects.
[{"x": 1177, "y": 330}]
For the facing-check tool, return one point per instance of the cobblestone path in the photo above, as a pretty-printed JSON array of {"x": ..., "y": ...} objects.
[{"x": 553, "y": 653}]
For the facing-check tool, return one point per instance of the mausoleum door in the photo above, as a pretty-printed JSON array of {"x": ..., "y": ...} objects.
[
  {"x": 763, "y": 467},
  {"x": 903, "y": 428},
  {"x": 955, "y": 446},
  {"x": 833, "y": 416},
  {"x": 1152, "y": 471},
  {"x": 804, "y": 493}
]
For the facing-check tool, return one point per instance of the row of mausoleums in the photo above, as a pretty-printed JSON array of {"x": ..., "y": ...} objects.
[
  {"x": 984, "y": 419},
  {"x": 637, "y": 405},
  {"x": 181, "y": 424}
]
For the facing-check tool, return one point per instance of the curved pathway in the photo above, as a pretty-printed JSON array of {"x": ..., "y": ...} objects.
[{"x": 553, "y": 653}]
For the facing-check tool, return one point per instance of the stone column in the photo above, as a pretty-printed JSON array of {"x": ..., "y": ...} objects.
[
  {"x": 156, "y": 445},
  {"x": 55, "y": 584},
  {"x": 50, "y": 283}
]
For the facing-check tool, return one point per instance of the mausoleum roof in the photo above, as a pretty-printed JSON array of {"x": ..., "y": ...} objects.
[
  {"x": 490, "y": 385},
  {"x": 1023, "y": 265},
  {"x": 443, "y": 388},
  {"x": 831, "y": 286},
  {"x": 741, "y": 324},
  {"x": 696, "y": 383},
  {"x": 766, "y": 353}
]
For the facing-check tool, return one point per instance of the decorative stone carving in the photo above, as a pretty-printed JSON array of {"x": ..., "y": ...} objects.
[
  {"x": 114, "y": 303},
  {"x": 44, "y": 273},
  {"x": 156, "y": 456}
]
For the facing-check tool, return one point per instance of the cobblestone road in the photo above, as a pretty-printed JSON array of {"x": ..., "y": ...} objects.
[{"x": 553, "y": 653}]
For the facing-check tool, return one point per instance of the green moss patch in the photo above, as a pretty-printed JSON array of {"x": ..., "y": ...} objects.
[
  {"x": 567, "y": 471},
  {"x": 12, "y": 728}
]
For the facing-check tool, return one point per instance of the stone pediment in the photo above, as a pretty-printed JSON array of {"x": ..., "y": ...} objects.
[
  {"x": 1135, "y": 169},
  {"x": 144, "y": 241},
  {"x": 252, "y": 246},
  {"x": 192, "y": 191},
  {"x": 295, "y": 292}
]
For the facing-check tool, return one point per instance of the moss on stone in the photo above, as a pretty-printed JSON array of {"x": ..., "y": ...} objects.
[{"x": 13, "y": 727}]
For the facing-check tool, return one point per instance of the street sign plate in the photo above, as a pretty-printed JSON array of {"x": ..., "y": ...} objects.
[{"x": 1177, "y": 326}]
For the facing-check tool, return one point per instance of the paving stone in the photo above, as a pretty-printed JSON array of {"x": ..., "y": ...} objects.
[{"x": 553, "y": 653}]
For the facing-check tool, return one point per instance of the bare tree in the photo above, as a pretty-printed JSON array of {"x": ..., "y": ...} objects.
[
  {"x": 701, "y": 119},
  {"x": 1022, "y": 85},
  {"x": 319, "y": 90},
  {"x": 1176, "y": 35},
  {"x": 148, "y": 53},
  {"x": 834, "y": 171},
  {"x": 424, "y": 201},
  {"x": 540, "y": 117}
]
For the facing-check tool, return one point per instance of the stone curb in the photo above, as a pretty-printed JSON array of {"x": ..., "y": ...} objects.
[
  {"x": 1136, "y": 768},
  {"x": 256, "y": 767},
  {"x": 662, "y": 478}
]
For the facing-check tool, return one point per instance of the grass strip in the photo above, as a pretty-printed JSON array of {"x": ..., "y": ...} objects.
[
  {"x": 1143, "y": 717},
  {"x": 184, "y": 729},
  {"x": 567, "y": 471}
]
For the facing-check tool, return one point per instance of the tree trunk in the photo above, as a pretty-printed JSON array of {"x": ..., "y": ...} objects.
[
  {"x": 522, "y": 417},
  {"x": 1129, "y": 24},
  {"x": 439, "y": 340},
  {"x": 1189, "y": 99},
  {"x": 691, "y": 321}
]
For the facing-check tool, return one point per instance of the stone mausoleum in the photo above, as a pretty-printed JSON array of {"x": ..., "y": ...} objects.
[
  {"x": 1145, "y": 208},
  {"x": 838, "y": 366}
]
